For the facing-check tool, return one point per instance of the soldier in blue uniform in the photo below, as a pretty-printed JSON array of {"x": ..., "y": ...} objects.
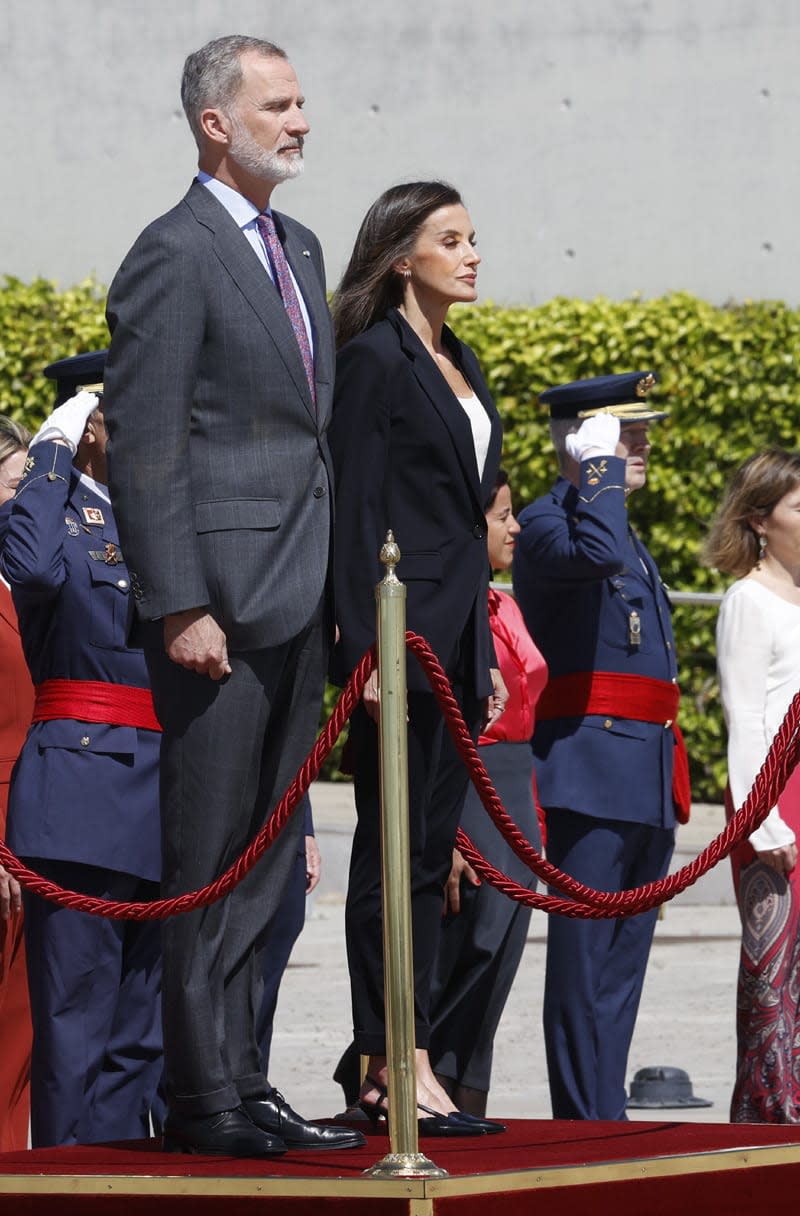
[
  {"x": 83, "y": 807},
  {"x": 606, "y": 753}
]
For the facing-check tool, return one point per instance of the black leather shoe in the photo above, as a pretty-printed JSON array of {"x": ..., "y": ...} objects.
[
  {"x": 228, "y": 1133},
  {"x": 274, "y": 1115}
]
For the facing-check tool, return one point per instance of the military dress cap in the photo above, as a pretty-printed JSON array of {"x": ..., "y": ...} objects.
[
  {"x": 623, "y": 395},
  {"x": 76, "y": 373}
]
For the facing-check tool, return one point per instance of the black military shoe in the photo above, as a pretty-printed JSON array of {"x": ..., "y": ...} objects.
[
  {"x": 274, "y": 1115},
  {"x": 228, "y": 1133}
]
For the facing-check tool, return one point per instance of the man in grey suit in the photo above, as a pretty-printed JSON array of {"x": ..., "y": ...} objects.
[{"x": 219, "y": 377}]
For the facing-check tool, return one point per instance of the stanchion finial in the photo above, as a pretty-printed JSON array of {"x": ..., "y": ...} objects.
[{"x": 390, "y": 556}]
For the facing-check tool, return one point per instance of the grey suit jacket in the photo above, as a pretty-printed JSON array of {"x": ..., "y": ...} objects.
[{"x": 218, "y": 463}]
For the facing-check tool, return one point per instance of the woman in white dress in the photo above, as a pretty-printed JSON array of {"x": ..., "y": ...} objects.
[{"x": 756, "y": 536}]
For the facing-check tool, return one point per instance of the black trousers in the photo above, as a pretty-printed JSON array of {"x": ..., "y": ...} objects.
[{"x": 437, "y": 785}]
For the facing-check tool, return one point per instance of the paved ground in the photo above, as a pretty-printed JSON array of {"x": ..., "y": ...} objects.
[{"x": 686, "y": 1018}]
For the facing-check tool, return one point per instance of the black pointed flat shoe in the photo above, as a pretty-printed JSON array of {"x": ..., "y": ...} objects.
[
  {"x": 434, "y": 1124},
  {"x": 486, "y": 1127}
]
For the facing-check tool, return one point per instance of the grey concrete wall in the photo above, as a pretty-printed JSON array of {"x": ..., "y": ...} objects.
[{"x": 602, "y": 146}]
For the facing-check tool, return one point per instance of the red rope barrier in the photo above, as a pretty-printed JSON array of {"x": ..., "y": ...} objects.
[
  {"x": 587, "y": 903},
  {"x": 159, "y": 909},
  {"x": 584, "y": 902}
]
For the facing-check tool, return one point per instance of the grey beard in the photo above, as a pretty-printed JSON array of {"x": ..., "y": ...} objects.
[{"x": 266, "y": 166}]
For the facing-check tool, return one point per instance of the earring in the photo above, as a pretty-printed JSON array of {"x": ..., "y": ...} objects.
[
  {"x": 406, "y": 274},
  {"x": 762, "y": 545}
]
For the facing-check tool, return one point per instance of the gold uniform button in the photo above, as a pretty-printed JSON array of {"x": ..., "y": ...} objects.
[
  {"x": 608, "y": 723},
  {"x": 85, "y": 741}
]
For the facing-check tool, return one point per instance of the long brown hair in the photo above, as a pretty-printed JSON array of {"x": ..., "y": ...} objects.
[
  {"x": 754, "y": 491},
  {"x": 370, "y": 285}
]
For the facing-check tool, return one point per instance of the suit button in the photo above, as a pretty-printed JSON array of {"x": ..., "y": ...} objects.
[
  {"x": 319, "y": 491},
  {"x": 478, "y": 532}
]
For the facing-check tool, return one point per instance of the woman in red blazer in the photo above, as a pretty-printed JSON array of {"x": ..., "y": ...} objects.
[
  {"x": 16, "y": 705},
  {"x": 416, "y": 442}
]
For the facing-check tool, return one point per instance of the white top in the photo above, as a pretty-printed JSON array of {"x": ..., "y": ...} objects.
[
  {"x": 244, "y": 214},
  {"x": 758, "y": 658},
  {"x": 481, "y": 428}
]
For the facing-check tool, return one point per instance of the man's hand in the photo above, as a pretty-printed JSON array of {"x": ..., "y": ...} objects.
[
  {"x": 10, "y": 895},
  {"x": 496, "y": 703},
  {"x": 68, "y": 421},
  {"x": 452, "y": 891},
  {"x": 313, "y": 863},
  {"x": 193, "y": 639},
  {"x": 597, "y": 436}
]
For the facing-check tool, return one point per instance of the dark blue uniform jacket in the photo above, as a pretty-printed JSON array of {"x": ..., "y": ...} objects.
[
  {"x": 579, "y": 575},
  {"x": 81, "y": 792}
]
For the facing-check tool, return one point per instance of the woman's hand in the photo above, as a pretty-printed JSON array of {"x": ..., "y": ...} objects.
[
  {"x": 313, "y": 863},
  {"x": 371, "y": 696},
  {"x": 496, "y": 703},
  {"x": 783, "y": 859},
  {"x": 10, "y": 895},
  {"x": 452, "y": 891}
]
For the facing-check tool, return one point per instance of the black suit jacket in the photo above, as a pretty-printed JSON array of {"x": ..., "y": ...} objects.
[
  {"x": 219, "y": 469},
  {"x": 404, "y": 460}
]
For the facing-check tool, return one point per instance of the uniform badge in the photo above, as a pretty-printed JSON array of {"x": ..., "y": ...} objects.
[
  {"x": 30, "y": 463},
  {"x": 93, "y": 515},
  {"x": 596, "y": 472},
  {"x": 72, "y": 525},
  {"x": 112, "y": 556}
]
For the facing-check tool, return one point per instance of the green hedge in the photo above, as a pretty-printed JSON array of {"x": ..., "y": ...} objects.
[{"x": 727, "y": 375}]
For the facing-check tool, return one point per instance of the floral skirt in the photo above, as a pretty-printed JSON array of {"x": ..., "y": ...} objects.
[{"x": 767, "y": 1087}]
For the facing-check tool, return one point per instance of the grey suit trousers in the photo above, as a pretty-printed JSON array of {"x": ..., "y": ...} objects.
[{"x": 229, "y": 750}]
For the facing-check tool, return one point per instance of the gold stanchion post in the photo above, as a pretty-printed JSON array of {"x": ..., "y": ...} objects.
[{"x": 404, "y": 1160}]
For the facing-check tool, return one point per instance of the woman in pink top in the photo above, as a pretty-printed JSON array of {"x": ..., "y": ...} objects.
[{"x": 483, "y": 931}]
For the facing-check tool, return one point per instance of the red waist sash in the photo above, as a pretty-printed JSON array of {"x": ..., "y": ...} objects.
[
  {"x": 95, "y": 701},
  {"x": 639, "y": 698}
]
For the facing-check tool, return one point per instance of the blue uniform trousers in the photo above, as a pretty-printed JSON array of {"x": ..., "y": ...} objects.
[
  {"x": 595, "y": 968},
  {"x": 95, "y": 1002}
]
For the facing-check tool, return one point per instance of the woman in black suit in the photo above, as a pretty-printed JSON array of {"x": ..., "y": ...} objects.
[{"x": 416, "y": 442}]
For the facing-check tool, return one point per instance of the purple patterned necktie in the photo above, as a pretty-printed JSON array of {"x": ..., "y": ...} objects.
[{"x": 284, "y": 284}]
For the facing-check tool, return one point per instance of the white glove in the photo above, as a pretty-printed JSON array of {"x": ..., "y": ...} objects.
[
  {"x": 68, "y": 421},
  {"x": 597, "y": 436}
]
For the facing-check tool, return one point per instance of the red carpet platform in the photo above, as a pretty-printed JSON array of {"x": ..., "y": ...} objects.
[{"x": 574, "y": 1169}]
